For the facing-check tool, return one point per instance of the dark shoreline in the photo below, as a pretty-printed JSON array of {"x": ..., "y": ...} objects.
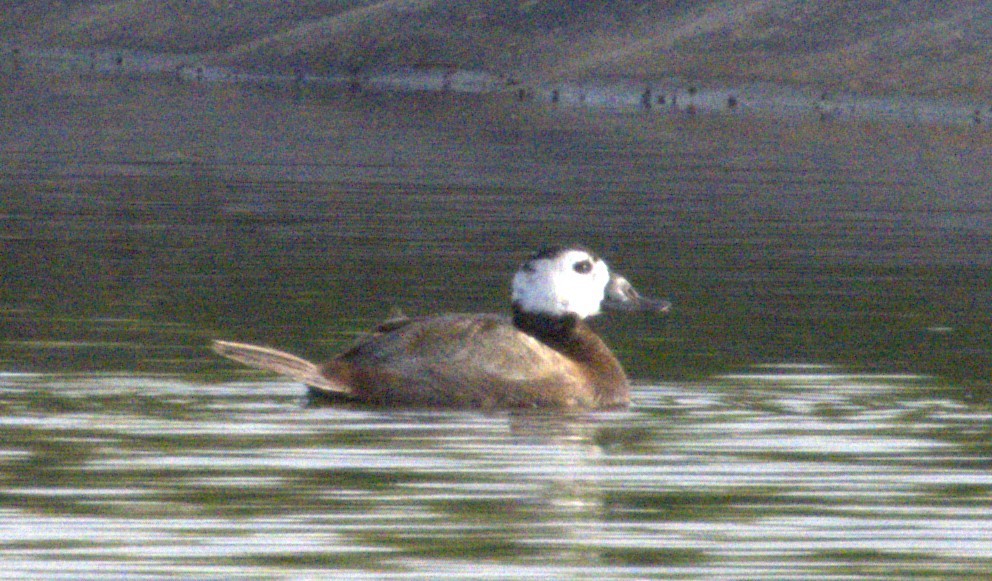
[{"x": 651, "y": 97}]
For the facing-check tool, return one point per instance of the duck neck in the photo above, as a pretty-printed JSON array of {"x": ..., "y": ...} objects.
[{"x": 573, "y": 338}]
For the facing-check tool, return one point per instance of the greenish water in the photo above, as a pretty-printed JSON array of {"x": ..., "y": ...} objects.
[
  {"x": 780, "y": 474},
  {"x": 817, "y": 403}
]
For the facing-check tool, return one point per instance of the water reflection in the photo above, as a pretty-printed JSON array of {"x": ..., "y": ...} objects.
[{"x": 783, "y": 472}]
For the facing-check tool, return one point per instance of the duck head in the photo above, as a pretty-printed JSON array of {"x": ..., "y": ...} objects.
[{"x": 561, "y": 282}]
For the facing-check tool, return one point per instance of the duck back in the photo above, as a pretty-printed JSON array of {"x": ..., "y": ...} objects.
[{"x": 473, "y": 361}]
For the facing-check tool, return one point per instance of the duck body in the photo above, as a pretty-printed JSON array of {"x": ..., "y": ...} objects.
[
  {"x": 543, "y": 356},
  {"x": 479, "y": 361}
]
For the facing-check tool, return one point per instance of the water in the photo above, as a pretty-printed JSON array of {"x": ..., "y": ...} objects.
[
  {"x": 816, "y": 404},
  {"x": 786, "y": 473}
]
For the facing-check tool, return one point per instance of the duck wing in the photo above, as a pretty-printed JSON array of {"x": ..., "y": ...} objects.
[{"x": 479, "y": 361}]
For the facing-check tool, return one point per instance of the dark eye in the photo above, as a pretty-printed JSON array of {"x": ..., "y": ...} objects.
[{"x": 582, "y": 267}]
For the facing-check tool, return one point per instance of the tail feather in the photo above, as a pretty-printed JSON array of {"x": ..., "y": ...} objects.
[{"x": 279, "y": 362}]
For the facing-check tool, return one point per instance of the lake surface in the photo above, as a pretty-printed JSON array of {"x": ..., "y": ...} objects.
[
  {"x": 785, "y": 473},
  {"x": 817, "y": 403}
]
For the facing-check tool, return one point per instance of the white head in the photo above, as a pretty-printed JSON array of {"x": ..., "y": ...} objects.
[
  {"x": 560, "y": 282},
  {"x": 570, "y": 281}
]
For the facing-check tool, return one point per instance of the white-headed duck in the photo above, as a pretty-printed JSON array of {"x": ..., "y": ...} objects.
[{"x": 544, "y": 355}]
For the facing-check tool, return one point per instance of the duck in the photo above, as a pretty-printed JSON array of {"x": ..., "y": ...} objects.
[{"x": 543, "y": 354}]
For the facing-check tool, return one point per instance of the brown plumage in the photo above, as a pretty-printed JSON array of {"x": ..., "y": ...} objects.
[{"x": 545, "y": 355}]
